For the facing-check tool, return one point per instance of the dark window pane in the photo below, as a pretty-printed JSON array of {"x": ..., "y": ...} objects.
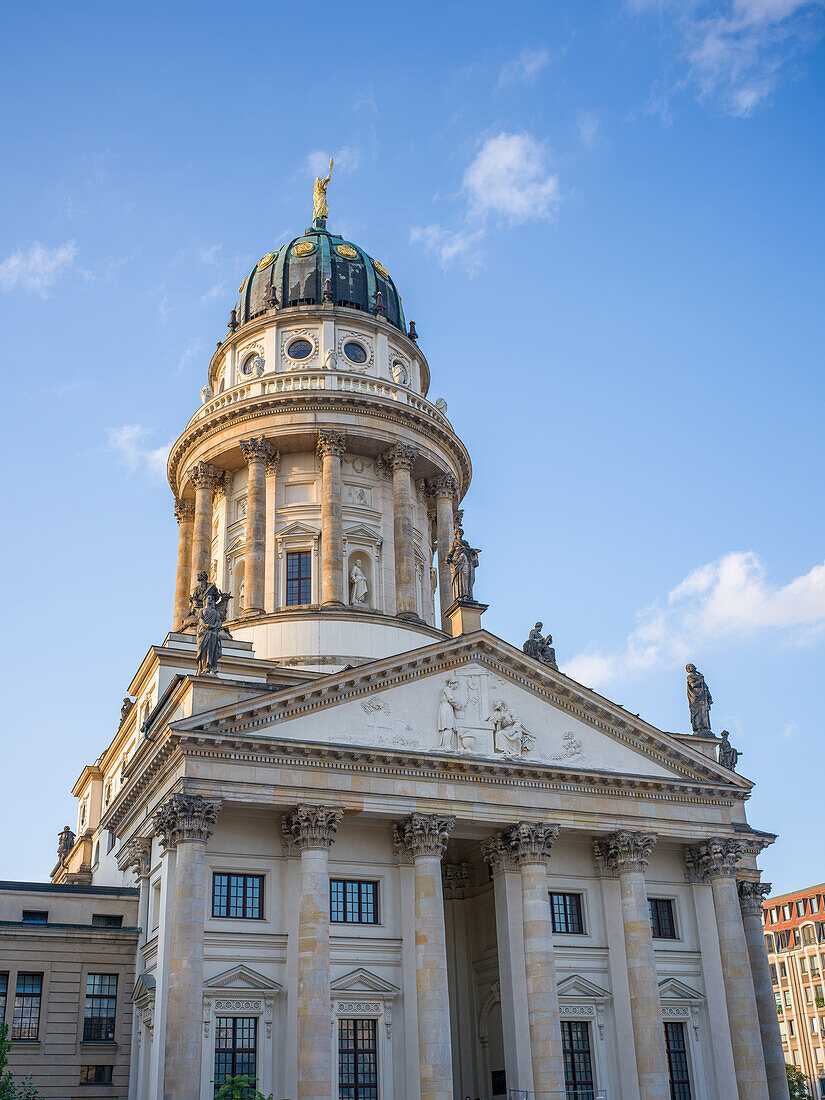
[
  {"x": 236, "y": 1039},
  {"x": 566, "y": 913},
  {"x": 298, "y": 578},
  {"x": 107, "y": 920},
  {"x": 96, "y": 1075},
  {"x": 578, "y": 1069},
  {"x": 662, "y": 923},
  {"x": 677, "y": 1062},
  {"x": 357, "y": 1060},
  {"x": 239, "y": 896},
  {"x": 101, "y": 1004},
  {"x": 4, "y": 989},
  {"x": 26, "y": 1020},
  {"x": 35, "y": 916},
  {"x": 353, "y": 902}
]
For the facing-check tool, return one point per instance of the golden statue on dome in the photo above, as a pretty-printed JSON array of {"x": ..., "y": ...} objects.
[{"x": 320, "y": 209}]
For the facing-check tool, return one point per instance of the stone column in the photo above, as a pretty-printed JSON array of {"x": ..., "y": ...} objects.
[
  {"x": 331, "y": 445},
  {"x": 625, "y": 855},
  {"x": 425, "y": 837},
  {"x": 137, "y": 856},
  {"x": 312, "y": 829},
  {"x": 402, "y": 459},
  {"x": 184, "y": 822},
  {"x": 750, "y": 904},
  {"x": 185, "y": 515},
  {"x": 444, "y": 490},
  {"x": 715, "y": 861},
  {"x": 257, "y": 453},
  {"x": 270, "y": 556},
  {"x": 204, "y": 478}
]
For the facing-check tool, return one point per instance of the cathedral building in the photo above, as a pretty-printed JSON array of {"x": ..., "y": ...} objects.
[{"x": 380, "y": 853}]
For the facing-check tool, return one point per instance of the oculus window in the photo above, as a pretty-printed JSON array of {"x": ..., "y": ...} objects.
[
  {"x": 355, "y": 352},
  {"x": 300, "y": 349}
]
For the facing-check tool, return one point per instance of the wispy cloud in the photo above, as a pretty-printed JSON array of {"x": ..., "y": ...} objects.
[
  {"x": 127, "y": 442},
  {"x": 734, "y": 52},
  {"x": 192, "y": 351},
  {"x": 589, "y": 126},
  {"x": 208, "y": 254},
  {"x": 789, "y": 730},
  {"x": 524, "y": 69},
  {"x": 730, "y": 598},
  {"x": 213, "y": 292},
  {"x": 508, "y": 181},
  {"x": 37, "y": 268},
  {"x": 347, "y": 159}
]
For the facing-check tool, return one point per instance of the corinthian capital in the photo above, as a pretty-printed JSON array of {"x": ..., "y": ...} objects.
[
  {"x": 423, "y": 834},
  {"x": 185, "y": 817},
  {"x": 456, "y": 879},
  {"x": 137, "y": 855},
  {"x": 623, "y": 851},
  {"x": 497, "y": 852},
  {"x": 331, "y": 442},
  {"x": 531, "y": 843},
  {"x": 255, "y": 449},
  {"x": 402, "y": 456},
  {"x": 184, "y": 511},
  {"x": 273, "y": 463},
  {"x": 751, "y": 896},
  {"x": 204, "y": 476},
  {"x": 223, "y": 486},
  {"x": 312, "y": 826},
  {"x": 444, "y": 486},
  {"x": 713, "y": 858}
]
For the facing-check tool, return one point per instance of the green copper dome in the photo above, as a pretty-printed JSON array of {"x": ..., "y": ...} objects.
[{"x": 296, "y": 274}]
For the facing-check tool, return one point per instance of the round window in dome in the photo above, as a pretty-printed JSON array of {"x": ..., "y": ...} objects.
[
  {"x": 299, "y": 349},
  {"x": 248, "y": 365},
  {"x": 355, "y": 352}
]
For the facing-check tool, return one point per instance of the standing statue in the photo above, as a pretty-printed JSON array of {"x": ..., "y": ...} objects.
[
  {"x": 205, "y": 588},
  {"x": 448, "y": 706},
  {"x": 358, "y": 589},
  {"x": 728, "y": 755},
  {"x": 463, "y": 562},
  {"x": 509, "y": 735},
  {"x": 540, "y": 648},
  {"x": 65, "y": 842},
  {"x": 699, "y": 701},
  {"x": 210, "y": 626},
  {"x": 320, "y": 210},
  {"x": 127, "y": 706}
]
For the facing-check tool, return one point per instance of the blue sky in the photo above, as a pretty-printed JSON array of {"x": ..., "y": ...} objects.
[{"x": 606, "y": 220}]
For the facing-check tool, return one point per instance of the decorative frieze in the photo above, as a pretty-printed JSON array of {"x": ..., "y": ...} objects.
[
  {"x": 184, "y": 511},
  {"x": 136, "y": 855},
  {"x": 256, "y": 449},
  {"x": 623, "y": 852},
  {"x": 713, "y": 858},
  {"x": 312, "y": 826},
  {"x": 751, "y": 896},
  {"x": 204, "y": 476},
  {"x": 423, "y": 834},
  {"x": 185, "y": 817},
  {"x": 331, "y": 442}
]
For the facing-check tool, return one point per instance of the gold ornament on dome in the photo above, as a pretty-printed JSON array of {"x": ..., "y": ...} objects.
[
  {"x": 266, "y": 260},
  {"x": 303, "y": 248},
  {"x": 243, "y": 284},
  {"x": 381, "y": 269},
  {"x": 346, "y": 250}
]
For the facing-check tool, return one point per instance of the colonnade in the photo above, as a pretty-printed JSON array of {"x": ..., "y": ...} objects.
[
  {"x": 518, "y": 857},
  {"x": 195, "y": 526}
]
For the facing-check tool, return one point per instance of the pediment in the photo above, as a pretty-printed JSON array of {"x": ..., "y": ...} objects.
[
  {"x": 241, "y": 977},
  {"x": 363, "y": 983},
  {"x": 297, "y": 528},
  {"x": 144, "y": 988},
  {"x": 578, "y": 988},
  {"x": 671, "y": 989},
  {"x": 361, "y": 531}
]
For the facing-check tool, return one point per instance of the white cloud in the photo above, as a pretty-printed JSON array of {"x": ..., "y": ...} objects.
[
  {"x": 734, "y": 52},
  {"x": 509, "y": 177},
  {"x": 37, "y": 268},
  {"x": 127, "y": 443},
  {"x": 347, "y": 160},
  {"x": 448, "y": 244},
  {"x": 214, "y": 292},
  {"x": 192, "y": 351},
  {"x": 525, "y": 68},
  {"x": 208, "y": 254},
  {"x": 588, "y": 125},
  {"x": 730, "y": 598},
  {"x": 790, "y": 729}
]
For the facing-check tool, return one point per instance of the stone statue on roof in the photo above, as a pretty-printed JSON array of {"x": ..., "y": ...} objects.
[
  {"x": 699, "y": 701},
  {"x": 540, "y": 648},
  {"x": 728, "y": 755},
  {"x": 320, "y": 210},
  {"x": 210, "y": 626},
  {"x": 202, "y": 589},
  {"x": 463, "y": 561}
]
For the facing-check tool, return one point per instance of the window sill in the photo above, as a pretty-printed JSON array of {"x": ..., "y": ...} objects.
[
  {"x": 103, "y": 1044},
  {"x": 26, "y": 1042}
]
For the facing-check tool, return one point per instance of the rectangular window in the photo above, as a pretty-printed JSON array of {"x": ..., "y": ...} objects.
[
  {"x": 661, "y": 918},
  {"x": 783, "y": 970},
  {"x": 96, "y": 1075},
  {"x": 107, "y": 920},
  {"x": 677, "y": 1062},
  {"x": 26, "y": 1020},
  {"x": 35, "y": 916},
  {"x": 353, "y": 902},
  {"x": 578, "y": 1069},
  {"x": 239, "y": 896},
  {"x": 298, "y": 578},
  {"x": 787, "y": 998},
  {"x": 800, "y": 908},
  {"x": 774, "y": 978},
  {"x": 803, "y": 965},
  {"x": 778, "y": 999},
  {"x": 236, "y": 1042},
  {"x": 357, "y": 1060},
  {"x": 99, "y": 1013},
  {"x": 769, "y": 943},
  {"x": 4, "y": 989},
  {"x": 566, "y": 913}
]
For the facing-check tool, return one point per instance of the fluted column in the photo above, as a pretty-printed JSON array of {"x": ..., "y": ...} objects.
[
  {"x": 184, "y": 823},
  {"x": 444, "y": 490},
  {"x": 625, "y": 855},
  {"x": 312, "y": 829},
  {"x": 204, "y": 478},
  {"x": 331, "y": 445},
  {"x": 424, "y": 837},
  {"x": 715, "y": 861},
  {"x": 750, "y": 904},
  {"x": 185, "y": 515},
  {"x": 402, "y": 459},
  {"x": 257, "y": 453}
]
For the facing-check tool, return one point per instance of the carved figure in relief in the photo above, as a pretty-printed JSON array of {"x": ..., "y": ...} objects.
[
  {"x": 320, "y": 209},
  {"x": 209, "y": 629},
  {"x": 358, "y": 590},
  {"x": 463, "y": 561},
  {"x": 202, "y": 589},
  {"x": 399, "y": 374},
  {"x": 699, "y": 701},
  {"x": 539, "y": 647},
  {"x": 728, "y": 755},
  {"x": 448, "y": 707},
  {"x": 572, "y": 749},
  {"x": 330, "y": 359},
  {"x": 509, "y": 735}
]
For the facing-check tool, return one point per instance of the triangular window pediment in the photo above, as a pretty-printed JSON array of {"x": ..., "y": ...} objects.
[
  {"x": 241, "y": 977},
  {"x": 362, "y": 982},
  {"x": 578, "y": 988},
  {"x": 674, "y": 990},
  {"x": 360, "y": 531},
  {"x": 144, "y": 988},
  {"x": 297, "y": 528}
]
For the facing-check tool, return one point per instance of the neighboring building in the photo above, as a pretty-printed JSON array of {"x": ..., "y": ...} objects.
[
  {"x": 381, "y": 853},
  {"x": 67, "y": 976},
  {"x": 795, "y": 940}
]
